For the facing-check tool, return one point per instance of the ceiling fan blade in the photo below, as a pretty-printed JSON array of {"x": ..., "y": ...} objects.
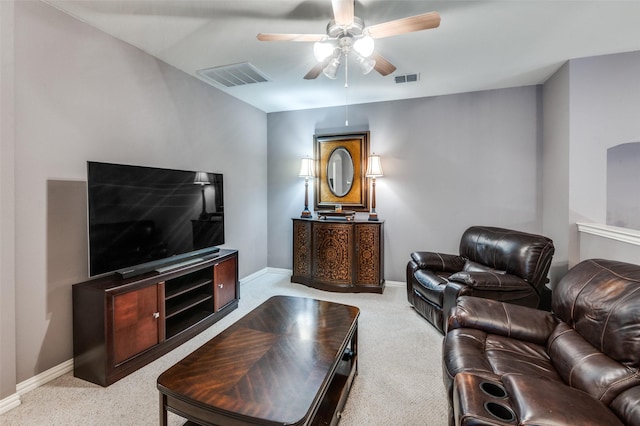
[
  {"x": 343, "y": 11},
  {"x": 291, "y": 37},
  {"x": 410, "y": 24},
  {"x": 317, "y": 69},
  {"x": 383, "y": 66}
]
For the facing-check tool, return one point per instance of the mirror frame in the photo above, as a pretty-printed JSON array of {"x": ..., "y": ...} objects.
[{"x": 358, "y": 146}]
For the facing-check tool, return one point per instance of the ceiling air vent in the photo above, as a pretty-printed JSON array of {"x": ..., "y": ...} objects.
[
  {"x": 233, "y": 75},
  {"x": 407, "y": 78}
]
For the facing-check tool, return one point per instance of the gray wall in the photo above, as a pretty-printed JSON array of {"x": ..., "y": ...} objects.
[
  {"x": 449, "y": 162},
  {"x": 82, "y": 95},
  {"x": 555, "y": 162},
  {"x": 7, "y": 204}
]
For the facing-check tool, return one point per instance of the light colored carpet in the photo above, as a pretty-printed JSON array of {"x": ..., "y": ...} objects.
[{"x": 399, "y": 378}]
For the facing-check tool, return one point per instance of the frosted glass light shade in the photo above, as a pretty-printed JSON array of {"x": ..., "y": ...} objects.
[
  {"x": 374, "y": 166},
  {"x": 331, "y": 70},
  {"x": 322, "y": 50},
  {"x": 366, "y": 64},
  {"x": 364, "y": 46}
]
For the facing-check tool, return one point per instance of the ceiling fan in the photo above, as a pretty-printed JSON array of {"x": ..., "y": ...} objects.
[{"x": 346, "y": 33}]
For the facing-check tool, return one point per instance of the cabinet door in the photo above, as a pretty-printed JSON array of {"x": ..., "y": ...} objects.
[
  {"x": 225, "y": 274},
  {"x": 333, "y": 253},
  {"x": 368, "y": 254},
  {"x": 136, "y": 319}
]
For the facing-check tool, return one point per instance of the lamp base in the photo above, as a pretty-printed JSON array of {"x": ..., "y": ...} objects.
[
  {"x": 305, "y": 214},
  {"x": 373, "y": 216}
]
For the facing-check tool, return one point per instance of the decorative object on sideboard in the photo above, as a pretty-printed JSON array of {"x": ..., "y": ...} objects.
[
  {"x": 202, "y": 179},
  {"x": 341, "y": 214},
  {"x": 374, "y": 170},
  {"x": 306, "y": 171}
]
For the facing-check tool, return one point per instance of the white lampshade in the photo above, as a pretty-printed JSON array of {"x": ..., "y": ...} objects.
[
  {"x": 322, "y": 50},
  {"x": 374, "y": 166},
  {"x": 306, "y": 167},
  {"x": 364, "y": 46},
  {"x": 202, "y": 178}
]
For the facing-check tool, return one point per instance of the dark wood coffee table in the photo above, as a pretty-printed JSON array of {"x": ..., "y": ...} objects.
[{"x": 290, "y": 361}]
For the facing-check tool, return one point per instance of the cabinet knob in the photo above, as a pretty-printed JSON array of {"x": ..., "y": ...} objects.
[
  {"x": 156, "y": 315},
  {"x": 220, "y": 285}
]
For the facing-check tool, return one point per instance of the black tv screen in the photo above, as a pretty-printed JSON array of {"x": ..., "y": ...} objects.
[{"x": 141, "y": 214}]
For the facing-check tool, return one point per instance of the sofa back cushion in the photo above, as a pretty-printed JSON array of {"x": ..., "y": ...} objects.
[
  {"x": 527, "y": 256},
  {"x": 584, "y": 367},
  {"x": 600, "y": 300}
]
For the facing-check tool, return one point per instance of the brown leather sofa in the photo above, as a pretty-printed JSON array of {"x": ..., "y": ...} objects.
[
  {"x": 508, "y": 364},
  {"x": 494, "y": 263}
]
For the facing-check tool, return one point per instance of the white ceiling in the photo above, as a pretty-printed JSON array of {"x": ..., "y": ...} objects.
[{"x": 479, "y": 45}]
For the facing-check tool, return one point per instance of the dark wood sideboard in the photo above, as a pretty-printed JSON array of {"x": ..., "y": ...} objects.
[
  {"x": 339, "y": 255},
  {"x": 120, "y": 325}
]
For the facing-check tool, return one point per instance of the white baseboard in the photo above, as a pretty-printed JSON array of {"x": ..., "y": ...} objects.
[
  {"x": 253, "y": 276},
  {"x": 12, "y": 401},
  {"x": 281, "y": 271},
  {"x": 44, "y": 377},
  {"x": 30, "y": 384}
]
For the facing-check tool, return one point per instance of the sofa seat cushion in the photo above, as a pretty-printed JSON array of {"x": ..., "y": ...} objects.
[
  {"x": 430, "y": 285},
  {"x": 538, "y": 401},
  {"x": 493, "y": 356}
]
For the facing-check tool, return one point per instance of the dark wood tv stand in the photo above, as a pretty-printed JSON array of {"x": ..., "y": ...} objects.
[{"x": 120, "y": 325}]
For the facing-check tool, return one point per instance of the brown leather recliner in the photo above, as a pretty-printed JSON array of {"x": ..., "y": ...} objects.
[
  {"x": 579, "y": 365},
  {"x": 494, "y": 263}
]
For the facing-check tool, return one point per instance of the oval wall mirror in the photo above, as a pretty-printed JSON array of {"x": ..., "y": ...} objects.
[{"x": 340, "y": 172}]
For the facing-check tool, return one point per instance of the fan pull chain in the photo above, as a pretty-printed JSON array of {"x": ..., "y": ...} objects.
[{"x": 346, "y": 90}]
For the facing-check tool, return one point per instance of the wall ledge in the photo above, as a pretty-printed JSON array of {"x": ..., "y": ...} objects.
[{"x": 625, "y": 235}]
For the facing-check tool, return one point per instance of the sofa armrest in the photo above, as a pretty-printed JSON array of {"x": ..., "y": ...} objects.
[
  {"x": 539, "y": 401},
  {"x": 438, "y": 261},
  {"x": 505, "y": 319},
  {"x": 524, "y": 400},
  {"x": 490, "y": 281}
]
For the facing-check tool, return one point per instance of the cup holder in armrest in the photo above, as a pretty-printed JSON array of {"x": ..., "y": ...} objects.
[
  {"x": 493, "y": 389},
  {"x": 499, "y": 411}
]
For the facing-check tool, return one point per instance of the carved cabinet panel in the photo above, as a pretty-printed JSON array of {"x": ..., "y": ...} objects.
[
  {"x": 342, "y": 256},
  {"x": 367, "y": 240}
]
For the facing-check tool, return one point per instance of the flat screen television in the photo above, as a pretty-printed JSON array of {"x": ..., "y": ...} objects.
[{"x": 141, "y": 218}]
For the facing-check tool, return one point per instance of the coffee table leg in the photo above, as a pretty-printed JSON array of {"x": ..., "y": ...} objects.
[{"x": 163, "y": 410}]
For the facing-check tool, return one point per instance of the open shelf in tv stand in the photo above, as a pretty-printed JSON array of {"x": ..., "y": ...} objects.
[{"x": 120, "y": 325}]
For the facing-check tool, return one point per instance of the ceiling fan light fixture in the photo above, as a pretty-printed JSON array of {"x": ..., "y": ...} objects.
[
  {"x": 322, "y": 50},
  {"x": 331, "y": 70},
  {"x": 364, "y": 46}
]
